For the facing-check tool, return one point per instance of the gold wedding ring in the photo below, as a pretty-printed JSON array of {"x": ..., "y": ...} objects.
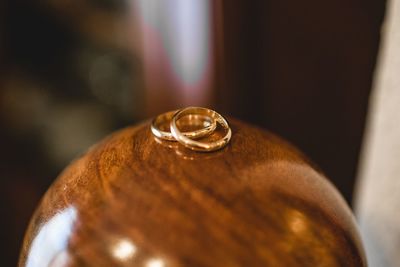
[
  {"x": 207, "y": 124},
  {"x": 198, "y": 145},
  {"x": 204, "y": 118}
]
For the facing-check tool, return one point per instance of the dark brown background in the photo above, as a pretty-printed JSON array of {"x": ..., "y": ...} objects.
[{"x": 300, "y": 69}]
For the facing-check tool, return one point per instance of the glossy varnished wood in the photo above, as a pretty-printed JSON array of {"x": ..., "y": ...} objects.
[{"x": 134, "y": 201}]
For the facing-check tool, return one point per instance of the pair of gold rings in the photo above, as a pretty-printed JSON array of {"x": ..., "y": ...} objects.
[{"x": 208, "y": 120}]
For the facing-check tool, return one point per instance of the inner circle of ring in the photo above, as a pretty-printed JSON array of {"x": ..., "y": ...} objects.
[
  {"x": 197, "y": 145},
  {"x": 167, "y": 116}
]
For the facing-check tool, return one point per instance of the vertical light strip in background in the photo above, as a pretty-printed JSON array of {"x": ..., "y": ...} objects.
[
  {"x": 377, "y": 200},
  {"x": 177, "y": 52}
]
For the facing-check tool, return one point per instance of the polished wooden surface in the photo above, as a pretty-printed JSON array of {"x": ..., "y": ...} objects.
[{"x": 134, "y": 201}]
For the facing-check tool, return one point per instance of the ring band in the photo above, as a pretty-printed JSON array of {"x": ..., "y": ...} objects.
[
  {"x": 209, "y": 125},
  {"x": 197, "y": 145}
]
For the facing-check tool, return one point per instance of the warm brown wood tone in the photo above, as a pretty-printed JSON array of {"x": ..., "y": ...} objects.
[{"x": 258, "y": 202}]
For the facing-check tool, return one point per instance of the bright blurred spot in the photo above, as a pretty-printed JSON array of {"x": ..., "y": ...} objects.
[
  {"x": 110, "y": 79},
  {"x": 155, "y": 263},
  {"x": 178, "y": 44},
  {"x": 185, "y": 33},
  {"x": 70, "y": 128},
  {"x": 188, "y": 44},
  {"x": 123, "y": 250}
]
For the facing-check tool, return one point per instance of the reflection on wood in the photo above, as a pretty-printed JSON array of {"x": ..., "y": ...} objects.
[{"x": 131, "y": 201}]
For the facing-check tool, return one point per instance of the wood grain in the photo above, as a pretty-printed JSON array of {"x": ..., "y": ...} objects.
[{"x": 133, "y": 201}]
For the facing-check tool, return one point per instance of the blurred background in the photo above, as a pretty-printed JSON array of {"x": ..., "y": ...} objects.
[{"x": 72, "y": 72}]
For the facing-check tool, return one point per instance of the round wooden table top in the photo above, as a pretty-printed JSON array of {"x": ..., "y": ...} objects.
[{"x": 132, "y": 200}]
